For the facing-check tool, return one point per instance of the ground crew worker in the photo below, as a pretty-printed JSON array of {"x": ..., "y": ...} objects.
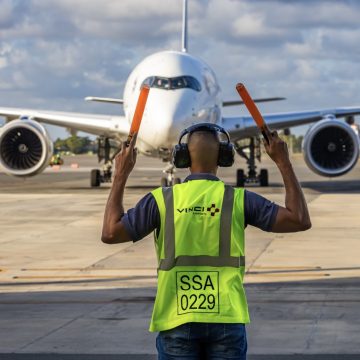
[
  {"x": 200, "y": 309},
  {"x": 350, "y": 120}
]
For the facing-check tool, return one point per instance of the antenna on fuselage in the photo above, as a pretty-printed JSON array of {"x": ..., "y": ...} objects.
[{"x": 184, "y": 42}]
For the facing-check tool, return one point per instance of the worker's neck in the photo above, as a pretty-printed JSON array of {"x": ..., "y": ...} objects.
[{"x": 194, "y": 169}]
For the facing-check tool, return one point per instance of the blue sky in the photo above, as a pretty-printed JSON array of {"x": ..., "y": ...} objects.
[{"x": 53, "y": 53}]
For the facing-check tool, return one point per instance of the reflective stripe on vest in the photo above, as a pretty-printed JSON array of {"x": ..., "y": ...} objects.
[{"x": 224, "y": 258}]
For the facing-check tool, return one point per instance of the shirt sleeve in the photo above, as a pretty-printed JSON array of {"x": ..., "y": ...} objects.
[
  {"x": 259, "y": 211},
  {"x": 142, "y": 219}
]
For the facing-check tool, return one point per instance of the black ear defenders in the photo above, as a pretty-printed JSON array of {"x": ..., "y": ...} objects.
[{"x": 181, "y": 156}]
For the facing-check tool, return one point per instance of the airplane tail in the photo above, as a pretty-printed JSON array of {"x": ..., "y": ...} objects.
[{"x": 184, "y": 40}]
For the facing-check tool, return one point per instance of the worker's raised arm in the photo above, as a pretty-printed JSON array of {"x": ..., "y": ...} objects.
[
  {"x": 114, "y": 231},
  {"x": 295, "y": 215}
]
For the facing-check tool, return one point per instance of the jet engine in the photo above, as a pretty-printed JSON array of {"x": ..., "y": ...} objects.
[
  {"x": 25, "y": 147},
  {"x": 331, "y": 147}
]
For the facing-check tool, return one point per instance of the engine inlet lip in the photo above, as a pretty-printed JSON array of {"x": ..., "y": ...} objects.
[{"x": 311, "y": 161}]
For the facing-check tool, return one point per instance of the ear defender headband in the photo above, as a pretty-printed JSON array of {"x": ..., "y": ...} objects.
[{"x": 181, "y": 155}]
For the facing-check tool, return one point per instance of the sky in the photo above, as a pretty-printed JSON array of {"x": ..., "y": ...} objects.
[{"x": 53, "y": 53}]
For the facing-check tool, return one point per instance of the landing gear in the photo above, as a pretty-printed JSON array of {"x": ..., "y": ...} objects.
[
  {"x": 105, "y": 175},
  {"x": 264, "y": 177},
  {"x": 254, "y": 153},
  {"x": 95, "y": 178},
  {"x": 102, "y": 176},
  {"x": 170, "y": 178},
  {"x": 165, "y": 182},
  {"x": 240, "y": 178}
]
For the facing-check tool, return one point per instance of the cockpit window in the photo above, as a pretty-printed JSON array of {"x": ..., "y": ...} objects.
[{"x": 179, "y": 82}]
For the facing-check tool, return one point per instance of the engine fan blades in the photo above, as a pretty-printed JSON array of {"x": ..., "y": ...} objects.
[{"x": 21, "y": 149}]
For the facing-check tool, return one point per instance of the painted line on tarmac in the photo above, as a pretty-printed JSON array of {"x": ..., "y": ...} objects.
[
  {"x": 90, "y": 268},
  {"x": 140, "y": 300},
  {"x": 115, "y": 277}
]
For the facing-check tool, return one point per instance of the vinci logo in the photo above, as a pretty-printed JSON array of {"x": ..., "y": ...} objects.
[{"x": 200, "y": 210}]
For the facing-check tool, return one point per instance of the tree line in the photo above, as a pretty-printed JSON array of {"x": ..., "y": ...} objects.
[
  {"x": 294, "y": 142},
  {"x": 75, "y": 144},
  {"x": 83, "y": 144}
]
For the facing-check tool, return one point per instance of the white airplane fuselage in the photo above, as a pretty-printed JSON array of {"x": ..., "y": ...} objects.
[{"x": 184, "y": 91}]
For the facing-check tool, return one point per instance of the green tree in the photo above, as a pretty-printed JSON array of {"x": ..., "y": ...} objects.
[
  {"x": 60, "y": 145},
  {"x": 294, "y": 142},
  {"x": 297, "y": 141},
  {"x": 74, "y": 144},
  {"x": 77, "y": 144}
]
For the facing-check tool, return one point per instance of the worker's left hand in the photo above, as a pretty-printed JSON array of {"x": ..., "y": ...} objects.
[
  {"x": 276, "y": 148},
  {"x": 125, "y": 160}
]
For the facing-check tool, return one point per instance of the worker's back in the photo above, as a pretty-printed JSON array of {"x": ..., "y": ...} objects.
[{"x": 200, "y": 248}]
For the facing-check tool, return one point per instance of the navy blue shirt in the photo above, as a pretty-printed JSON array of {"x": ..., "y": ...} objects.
[{"x": 145, "y": 217}]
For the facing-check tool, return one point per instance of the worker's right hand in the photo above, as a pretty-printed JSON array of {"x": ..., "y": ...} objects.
[
  {"x": 125, "y": 160},
  {"x": 276, "y": 148}
]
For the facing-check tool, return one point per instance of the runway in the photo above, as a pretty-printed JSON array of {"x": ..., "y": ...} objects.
[{"x": 64, "y": 292}]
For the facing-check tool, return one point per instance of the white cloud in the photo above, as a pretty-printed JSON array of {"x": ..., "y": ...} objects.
[
  {"x": 100, "y": 78},
  {"x": 248, "y": 24},
  {"x": 310, "y": 46},
  {"x": 3, "y": 62},
  {"x": 6, "y": 13},
  {"x": 306, "y": 70}
]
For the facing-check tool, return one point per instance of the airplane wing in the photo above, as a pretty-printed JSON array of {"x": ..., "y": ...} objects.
[
  {"x": 106, "y": 125},
  {"x": 240, "y": 102},
  {"x": 244, "y": 127}
]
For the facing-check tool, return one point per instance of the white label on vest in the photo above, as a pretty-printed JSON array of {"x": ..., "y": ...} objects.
[{"x": 197, "y": 292}]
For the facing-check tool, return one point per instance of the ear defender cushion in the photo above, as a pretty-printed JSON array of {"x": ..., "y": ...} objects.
[
  {"x": 226, "y": 154},
  {"x": 181, "y": 156}
]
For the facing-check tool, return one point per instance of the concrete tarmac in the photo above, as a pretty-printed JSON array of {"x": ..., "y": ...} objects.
[{"x": 65, "y": 295}]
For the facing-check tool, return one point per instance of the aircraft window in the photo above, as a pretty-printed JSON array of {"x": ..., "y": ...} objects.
[
  {"x": 161, "y": 83},
  {"x": 148, "y": 81},
  {"x": 192, "y": 83},
  {"x": 179, "y": 82}
]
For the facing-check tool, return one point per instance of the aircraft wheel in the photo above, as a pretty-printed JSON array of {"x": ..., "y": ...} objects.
[
  {"x": 177, "y": 181},
  {"x": 240, "y": 178},
  {"x": 264, "y": 177},
  {"x": 164, "y": 182},
  {"x": 95, "y": 178}
]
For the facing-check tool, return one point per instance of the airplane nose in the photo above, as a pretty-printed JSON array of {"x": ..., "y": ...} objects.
[{"x": 166, "y": 116}]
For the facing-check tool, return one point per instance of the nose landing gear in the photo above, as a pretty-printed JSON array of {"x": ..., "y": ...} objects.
[
  {"x": 254, "y": 153},
  {"x": 170, "y": 178}
]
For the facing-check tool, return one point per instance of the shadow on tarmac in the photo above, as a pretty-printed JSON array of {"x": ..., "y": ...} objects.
[
  {"x": 154, "y": 357},
  {"x": 146, "y": 277},
  {"x": 323, "y": 187},
  {"x": 333, "y": 186},
  {"x": 312, "y": 319}
]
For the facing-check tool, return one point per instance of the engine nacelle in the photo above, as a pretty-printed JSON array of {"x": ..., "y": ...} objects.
[
  {"x": 331, "y": 148},
  {"x": 25, "y": 148}
]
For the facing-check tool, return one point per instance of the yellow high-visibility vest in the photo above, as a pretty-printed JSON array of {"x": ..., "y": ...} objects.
[{"x": 200, "y": 251}]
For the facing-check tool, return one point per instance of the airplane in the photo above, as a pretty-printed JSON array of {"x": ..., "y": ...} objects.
[{"x": 184, "y": 91}]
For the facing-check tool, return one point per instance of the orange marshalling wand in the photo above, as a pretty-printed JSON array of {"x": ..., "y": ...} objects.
[
  {"x": 253, "y": 110},
  {"x": 139, "y": 111}
]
